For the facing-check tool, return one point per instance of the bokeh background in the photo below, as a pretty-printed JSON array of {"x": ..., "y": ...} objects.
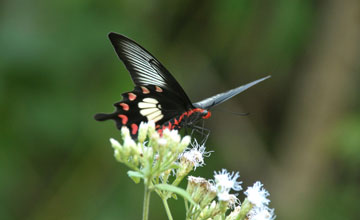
[{"x": 301, "y": 139}]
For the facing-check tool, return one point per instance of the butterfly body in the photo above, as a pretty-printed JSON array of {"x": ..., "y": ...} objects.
[
  {"x": 157, "y": 96},
  {"x": 186, "y": 119}
]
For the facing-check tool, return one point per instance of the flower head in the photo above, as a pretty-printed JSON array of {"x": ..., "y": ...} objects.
[
  {"x": 231, "y": 199},
  {"x": 261, "y": 213},
  {"x": 195, "y": 155},
  {"x": 257, "y": 194},
  {"x": 225, "y": 181},
  {"x": 200, "y": 190}
]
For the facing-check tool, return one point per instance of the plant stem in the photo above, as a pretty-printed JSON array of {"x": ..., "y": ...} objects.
[
  {"x": 146, "y": 203},
  {"x": 167, "y": 209}
]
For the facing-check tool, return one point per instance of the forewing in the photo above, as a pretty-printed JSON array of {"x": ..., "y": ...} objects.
[{"x": 144, "y": 68}]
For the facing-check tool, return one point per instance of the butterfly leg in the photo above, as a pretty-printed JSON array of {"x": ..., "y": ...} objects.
[{"x": 204, "y": 132}]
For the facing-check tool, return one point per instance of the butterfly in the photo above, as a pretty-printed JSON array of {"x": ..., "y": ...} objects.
[{"x": 157, "y": 95}]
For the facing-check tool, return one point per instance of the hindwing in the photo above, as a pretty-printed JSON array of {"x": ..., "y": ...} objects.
[{"x": 144, "y": 103}]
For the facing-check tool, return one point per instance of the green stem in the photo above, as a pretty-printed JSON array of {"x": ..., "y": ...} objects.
[
  {"x": 146, "y": 203},
  {"x": 167, "y": 209}
]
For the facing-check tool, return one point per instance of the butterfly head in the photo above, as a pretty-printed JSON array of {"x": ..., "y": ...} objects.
[
  {"x": 205, "y": 114},
  {"x": 198, "y": 113}
]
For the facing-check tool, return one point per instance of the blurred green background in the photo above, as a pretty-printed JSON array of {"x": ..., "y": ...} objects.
[{"x": 302, "y": 138}]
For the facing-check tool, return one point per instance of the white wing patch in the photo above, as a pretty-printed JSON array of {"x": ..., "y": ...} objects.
[
  {"x": 150, "y": 100},
  {"x": 151, "y": 109},
  {"x": 146, "y": 105},
  {"x": 148, "y": 111}
]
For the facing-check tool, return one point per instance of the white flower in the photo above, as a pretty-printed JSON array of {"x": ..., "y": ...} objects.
[
  {"x": 174, "y": 135},
  {"x": 117, "y": 148},
  {"x": 143, "y": 129},
  {"x": 125, "y": 132},
  {"x": 196, "y": 180},
  {"x": 129, "y": 142},
  {"x": 257, "y": 195},
  {"x": 225, "y": 181},
  {"x": 162, "y": 142},
  {"x": 151, "y": 125},
  {"x": 115, "y": 144},
  {"x": 195, "y": 155},
  {"x": 261, "y": 213},
  {"x": 185, "y": 142},
  {"x": 230, "y": 198}
]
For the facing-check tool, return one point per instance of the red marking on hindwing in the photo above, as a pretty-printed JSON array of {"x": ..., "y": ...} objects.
[
  {"x": 124, "y": 119},
  {"x": 208, "y": 115},
  {"x": 124, "y": 106},
  {"x": 134, "y": 128},
  {"x": 158, "y": 89},
  {"x": 145, "y": 90},
  {"x": 132, "y": 96}
]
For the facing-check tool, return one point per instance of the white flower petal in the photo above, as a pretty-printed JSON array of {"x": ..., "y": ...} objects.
[{"x": 257, "y": 194}]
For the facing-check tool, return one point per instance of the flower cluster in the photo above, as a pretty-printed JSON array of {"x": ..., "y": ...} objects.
[
  {"x": 153, "y": 158},
  {"x": 152, "y": 154},
  {"x": 204, "y": 192}
]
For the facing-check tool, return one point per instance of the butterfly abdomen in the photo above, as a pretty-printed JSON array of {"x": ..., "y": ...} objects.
[{"x": 186, "y": 119}]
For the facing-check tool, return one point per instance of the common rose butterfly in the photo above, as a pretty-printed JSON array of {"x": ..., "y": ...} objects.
[{"x": 157, "y": 95}]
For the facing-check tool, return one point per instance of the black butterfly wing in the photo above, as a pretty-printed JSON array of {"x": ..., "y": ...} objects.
[
  {"x": 144, "y": 103},
  {"x": 145, "y": 69}
]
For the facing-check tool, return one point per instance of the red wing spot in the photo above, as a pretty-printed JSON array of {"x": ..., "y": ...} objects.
[
  {"x": 176, "y": 122},
  {"x": 160, "y": 131},
  {"x": 124, "y": 106},
  {"x": 158, "y": 89},
  {"x": 208, "y": 115},
  {"x": 145, "y": 90},
  {"x": 134, "y": 128},
  {"x": 132, "y": 96},
  {"x": 157, "y": 126},
  {"x": 124, "y": 119}
]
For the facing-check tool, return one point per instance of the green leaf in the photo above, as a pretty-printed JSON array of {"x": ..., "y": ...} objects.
[
  {"x": 135, "y": 176},
  {"x": 176, "y": 190}
]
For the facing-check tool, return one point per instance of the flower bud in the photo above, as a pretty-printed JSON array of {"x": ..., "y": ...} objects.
[
  {"x": 185, "y": 142},
  {"x": 143, "y": 130},
  {"x": 115, "y": 144},
  {"x": 125, "y": 132},
  {"x": 151, "y": 127}
]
